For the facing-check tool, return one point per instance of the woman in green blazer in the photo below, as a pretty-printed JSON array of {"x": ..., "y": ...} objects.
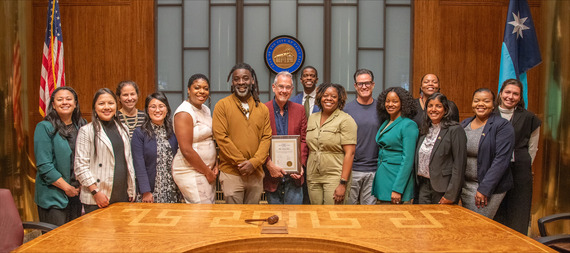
[
  {"x": 396, "y": 138},
  {"x": 57, "y": 192}
]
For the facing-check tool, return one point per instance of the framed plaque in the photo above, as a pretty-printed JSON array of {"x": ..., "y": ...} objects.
[{"x": 286, "y": 152}]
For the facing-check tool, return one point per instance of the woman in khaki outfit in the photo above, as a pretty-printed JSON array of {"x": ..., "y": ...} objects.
[{"x": 331, "y": 138}]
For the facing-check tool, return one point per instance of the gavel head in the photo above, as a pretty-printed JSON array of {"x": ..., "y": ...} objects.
[{"x": 272, "y": 219}]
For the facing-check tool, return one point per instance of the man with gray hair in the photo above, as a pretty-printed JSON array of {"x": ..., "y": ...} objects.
[
  {"x": 286, "y": 118},
  {"x": 364, "y": 166}
]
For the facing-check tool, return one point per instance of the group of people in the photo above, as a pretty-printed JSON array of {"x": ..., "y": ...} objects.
[{"x": 392, "y": 149}]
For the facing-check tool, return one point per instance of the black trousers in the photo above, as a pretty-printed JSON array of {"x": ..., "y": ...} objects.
[
  {"x": 514, "y": 211},
  {"x": 426, "y": 194},
  {"x": 57, "y": 216}
]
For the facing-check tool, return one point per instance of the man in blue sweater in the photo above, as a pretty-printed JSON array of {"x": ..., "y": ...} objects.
[{"x": 363, "y": 111}]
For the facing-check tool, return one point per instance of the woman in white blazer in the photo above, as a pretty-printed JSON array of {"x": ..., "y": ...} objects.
[{"x": 103, "y": 161}]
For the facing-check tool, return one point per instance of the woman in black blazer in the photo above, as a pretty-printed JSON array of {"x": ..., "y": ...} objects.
[
  {"x": 440, "y": 154},
  {"x": 490, "y": 142},
  {"x": 514, "y": 211}
]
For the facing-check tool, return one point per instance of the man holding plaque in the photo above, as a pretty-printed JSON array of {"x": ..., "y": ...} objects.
[
  {"x": 241, "y": 128},
  {"x": 287, "y": 119},
  {"x": 363, "y": 111}
]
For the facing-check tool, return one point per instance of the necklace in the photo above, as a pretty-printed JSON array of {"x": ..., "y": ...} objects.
[
  {"x": 243, "y": 110},
  {"x": 127, "y": 122}
]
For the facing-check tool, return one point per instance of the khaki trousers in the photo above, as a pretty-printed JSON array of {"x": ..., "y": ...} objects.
[{"x": 241, "y": 190}]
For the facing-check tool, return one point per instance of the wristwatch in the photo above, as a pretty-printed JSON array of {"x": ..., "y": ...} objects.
[
  {"x": 343, "y": 181},
  {"x": 93, "y": 192}
]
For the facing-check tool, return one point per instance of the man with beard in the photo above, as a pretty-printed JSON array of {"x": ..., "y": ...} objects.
[
  {"x": 242, "y": 130},
  {"x": 287, "y": 118},
  {"x": 309, "y": 78}
]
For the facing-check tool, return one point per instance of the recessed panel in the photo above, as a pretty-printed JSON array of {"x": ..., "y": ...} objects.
[
  {"x": 311, "y": 36},
  {"x": 283, "y": 18},
  {"x": 222, "y": 1},
  {"x": 223, "y": 46},
  {"x": 343, "y": 45},
  {"x": 371, "y": 23},
  {"x": 196, "y": 23},
  {"x": 169, "y": 57},
  {"x": 406, "y": 2},
  {"x": 397, "y": 46},
  {"x": 159, "y": 2},
  {"x": 174, "y": 100},
  {"x": 246, "y": 2},
  {"x": 373, "y": 60},
  {"x": 344, "y": 1},
  {"x": 256, "y": 36},
  {"x": 195, "y": 61},
  {"x": 311, "y": 1}
]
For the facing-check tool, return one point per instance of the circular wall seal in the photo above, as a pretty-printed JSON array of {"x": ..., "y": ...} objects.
[{"x": 284, "y": 53}]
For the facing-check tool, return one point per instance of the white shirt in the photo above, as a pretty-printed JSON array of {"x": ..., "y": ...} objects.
[{"x": 311, "y": 99}]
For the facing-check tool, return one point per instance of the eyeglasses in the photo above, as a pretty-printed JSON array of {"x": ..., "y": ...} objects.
[
  {"x": 287, "y": 88},
  {"x": 154, "y": 107},
  {"x": 367, "y": 84}
]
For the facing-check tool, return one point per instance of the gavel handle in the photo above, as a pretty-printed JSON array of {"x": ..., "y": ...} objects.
[{"x": 252, "y": 220}]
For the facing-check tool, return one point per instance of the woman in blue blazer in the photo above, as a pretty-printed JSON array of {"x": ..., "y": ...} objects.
[
  {"x": 397, "y": 136},
  {"x": 490, "y": 143},
  {"x": 154, "y": 146},
  {"x": 440, "y": 154},
  {"x": 57, "y": 191}
]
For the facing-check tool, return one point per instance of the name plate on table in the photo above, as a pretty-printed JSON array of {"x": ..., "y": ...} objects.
[{"x": 286, "y": 152}]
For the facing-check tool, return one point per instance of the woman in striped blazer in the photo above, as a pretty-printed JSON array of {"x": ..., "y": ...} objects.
[{"x": 103, "y": 161}]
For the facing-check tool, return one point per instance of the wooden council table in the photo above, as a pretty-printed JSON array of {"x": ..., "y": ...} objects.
[{"x": 141, "y": 227}]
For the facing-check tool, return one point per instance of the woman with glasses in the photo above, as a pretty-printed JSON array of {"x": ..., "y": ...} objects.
[{"x": 154, "y": 146}]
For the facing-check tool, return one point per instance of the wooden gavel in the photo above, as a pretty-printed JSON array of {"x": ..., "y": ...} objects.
[{"x": 271, "y": 220}]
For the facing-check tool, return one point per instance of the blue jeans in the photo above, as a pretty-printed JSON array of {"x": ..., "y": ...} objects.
[{"x": 287, "y": 193}]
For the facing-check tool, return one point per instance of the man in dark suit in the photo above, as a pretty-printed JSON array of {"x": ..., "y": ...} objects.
[
  {"x": 286, "y": 118},
  {"x": 309, "y": 78}
]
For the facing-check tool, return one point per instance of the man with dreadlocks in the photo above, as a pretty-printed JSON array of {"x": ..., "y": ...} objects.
[{"x": 243, "y": 133}]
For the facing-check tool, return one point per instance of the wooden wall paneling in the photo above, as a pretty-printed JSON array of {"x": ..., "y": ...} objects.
[
  {"x": 426, "y": 40},
  {"x": 460, "y": 41},
  {"x": 105, "y": 42}
]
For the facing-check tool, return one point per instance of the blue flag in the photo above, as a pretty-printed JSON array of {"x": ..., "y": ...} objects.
[{"x": 520, "y": 50}]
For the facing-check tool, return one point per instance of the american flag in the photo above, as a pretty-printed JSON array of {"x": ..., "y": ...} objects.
[{"x": 53, "y": 74}]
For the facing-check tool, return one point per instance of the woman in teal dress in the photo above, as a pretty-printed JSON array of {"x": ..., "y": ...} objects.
[{"x": 396, "y": 138}]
